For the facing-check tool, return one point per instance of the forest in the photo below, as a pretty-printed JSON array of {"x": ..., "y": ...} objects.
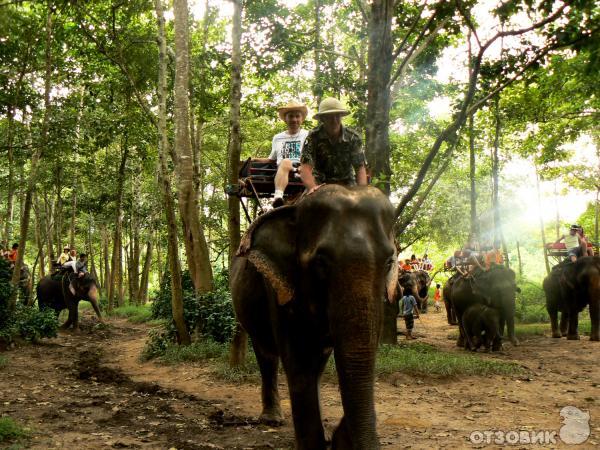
[{"x": 123, "y": 125}]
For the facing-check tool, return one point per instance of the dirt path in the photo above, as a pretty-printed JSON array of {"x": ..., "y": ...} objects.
[{"x": 90, "y": 391}]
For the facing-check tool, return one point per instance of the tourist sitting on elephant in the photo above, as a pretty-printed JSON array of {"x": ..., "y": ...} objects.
[
  {"x": 79, "y": 267},
  {"x": 73, "y": 254},
  {"x": 332, "y": 152},
  {"x": 587, "y": 249},
  {"x": 406, "y": 266},
  {"x": 481, "y": 327},
  {"x": 64, "y": 257},
  {"x": 493, "y": 256},
  {"x": 575, "y": 247}
]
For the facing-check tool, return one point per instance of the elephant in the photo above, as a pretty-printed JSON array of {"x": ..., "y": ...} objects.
[
  {"x": 569, "y": 288},
  {"x": 54, "y": 292},
  {"x": 496, "y": 288},
  {"x": 447, "y": 295},
  {"x": 309, "y": 279},
  {"x": 417, "y": 284},
  {"x": 481, "y": 326}
]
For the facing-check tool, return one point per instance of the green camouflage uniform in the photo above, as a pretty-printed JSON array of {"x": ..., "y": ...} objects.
[{"x": 334, "y": 162}]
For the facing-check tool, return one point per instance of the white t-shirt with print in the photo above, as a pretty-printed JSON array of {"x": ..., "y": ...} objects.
[{"x": 288, "y": 146}]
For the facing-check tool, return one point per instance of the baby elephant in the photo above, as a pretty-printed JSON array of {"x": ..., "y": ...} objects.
[{"x": 481, "y": 326}]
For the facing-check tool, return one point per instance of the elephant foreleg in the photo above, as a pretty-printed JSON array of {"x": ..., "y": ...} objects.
[
  {"x": 564, "y": 324},
  {"x": 510, "y": 329},
  {"x": 303, "y": 382},
  {"x": 96, "y": 309},
  {"x": 595, "y": 318},
  {"x": 73, "y": 319},
  {"x": 553, "y": 313},
  {"x": 268, "y": 364},
  {"x": 573, "y": 333}
]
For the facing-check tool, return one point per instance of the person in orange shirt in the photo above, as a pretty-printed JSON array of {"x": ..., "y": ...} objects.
[
  {"x": 12, "y": 255},
  {"x": 406, "y": 266},
  {"x": 494, "y": 256},
  {"x": 437, "y": 296}
]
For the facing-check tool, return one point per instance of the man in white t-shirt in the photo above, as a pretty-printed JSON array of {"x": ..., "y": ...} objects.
[{"x": 287, "y": 146}]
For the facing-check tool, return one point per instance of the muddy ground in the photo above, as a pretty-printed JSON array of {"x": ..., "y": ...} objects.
[{"x": 89, "y": 390}]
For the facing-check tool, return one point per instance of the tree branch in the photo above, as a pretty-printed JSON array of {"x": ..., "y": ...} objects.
[{"x": 410, "y": 32}]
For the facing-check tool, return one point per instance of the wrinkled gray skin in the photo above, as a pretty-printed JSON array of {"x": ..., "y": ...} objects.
[
  {"x": 569, "y": 288},
  {"x": 55, "y": 294},
  {"x": 481, "y": 326},
  {"x": 496, "y": 288},
  {"x": 417, "y": 284},
  {"x": 447, "y": 291},
  {"x": 308, "y": 279}
]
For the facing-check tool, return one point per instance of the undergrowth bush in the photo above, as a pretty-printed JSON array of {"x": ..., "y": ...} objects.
[
  {"x": 208, "y": 316},
  {"x": 26, "y": 322},
  {"x": 11, "y": 430}
]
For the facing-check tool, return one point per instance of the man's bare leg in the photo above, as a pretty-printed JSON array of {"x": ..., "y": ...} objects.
[{"x": 281, "y": 180}]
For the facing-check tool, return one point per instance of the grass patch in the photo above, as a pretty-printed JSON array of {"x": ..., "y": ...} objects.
[
  {"x": 541, "y": 329},
  {"x": 133, "y": 313},
  {"x": 11, "y": 430},
  {"x": 217, "y": 356},
  {"x": 414, "y": 359},
  {"x": 424, "y": 359},
  {"x": 3, "y": 361}
]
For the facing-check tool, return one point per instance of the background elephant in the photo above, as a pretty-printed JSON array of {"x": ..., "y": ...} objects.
[
  {"x": 416, "y": 284},
  {"x": 447, "y": 296},
  {"x": 53, "y": 292},
  {"x": 481, "y": 326},
  {"x": 569, "y": 288},
  {"x": 311, "y": 278},
  {"x": 496, "y": 288}
]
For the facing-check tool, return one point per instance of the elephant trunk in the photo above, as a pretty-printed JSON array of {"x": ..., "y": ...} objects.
[
  {"x": 93, "y": 297},
  {"x": 356, "y": 332}
]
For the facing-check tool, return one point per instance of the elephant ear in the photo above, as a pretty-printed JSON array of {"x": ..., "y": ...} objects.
[{"x": 270, "y": 245}]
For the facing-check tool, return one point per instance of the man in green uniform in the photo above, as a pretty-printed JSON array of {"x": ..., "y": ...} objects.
[{"x": 332, "y": 152}]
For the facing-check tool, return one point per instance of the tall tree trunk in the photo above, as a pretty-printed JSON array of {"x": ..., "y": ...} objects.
[
  {"x": 142, "y": 294},
  {"x": 114, "y": 290},
  {"x": 235, "y": 145},
  {"x": 542, "y": 226},
  {"x": 38, "y": 237},
  {"x": 90, "y": 248},
  {"x": 183, "y": 335},
  {"x": 380, "y": 60},
  {"x": 48, "y": 226},
  {"x": 107, "y": 272},
  {"x": 317, "y": 83},
  {"x": 193, "y": 234},
  {"x": 495, "y": 173},
  {"x": 35, "y": 159},
  {"x": 58, "y": 216},
  {"x": 519, "y": 259},
  {"x": 474, "y": 232}
]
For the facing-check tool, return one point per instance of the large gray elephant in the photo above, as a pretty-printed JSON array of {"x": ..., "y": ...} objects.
[
  {"x": 496, "y": 288},
  {"x": 569, "y": 288},
  {"x": 54, "y": 292},
  {"x": 417, "y": 284},
  {"x": 311, "y": 278}
]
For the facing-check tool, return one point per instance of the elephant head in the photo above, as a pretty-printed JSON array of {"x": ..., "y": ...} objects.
[
  {"x": 498, "y": 287},
  {"x": 86, "y": 288},
  {"x": 329, "y": 259}
]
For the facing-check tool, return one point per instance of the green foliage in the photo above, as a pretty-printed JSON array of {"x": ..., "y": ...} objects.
[
  {"x": 133, "y": 313},
  {"x": 210, "y": 314},
  {"x": 11, "y": 430},
  {"x": 531, "y": 303},
  {"x": 28, "y": 323}
]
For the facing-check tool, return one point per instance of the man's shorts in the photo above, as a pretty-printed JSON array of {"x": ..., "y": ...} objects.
[
  {"x": 575, "y": 251},
  {"x": 409, "y": 321}
]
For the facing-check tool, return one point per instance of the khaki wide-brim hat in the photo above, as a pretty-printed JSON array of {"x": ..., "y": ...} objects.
[
  {"x": 331, "y": 105},
  {"x": 292, "y": 106}
]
